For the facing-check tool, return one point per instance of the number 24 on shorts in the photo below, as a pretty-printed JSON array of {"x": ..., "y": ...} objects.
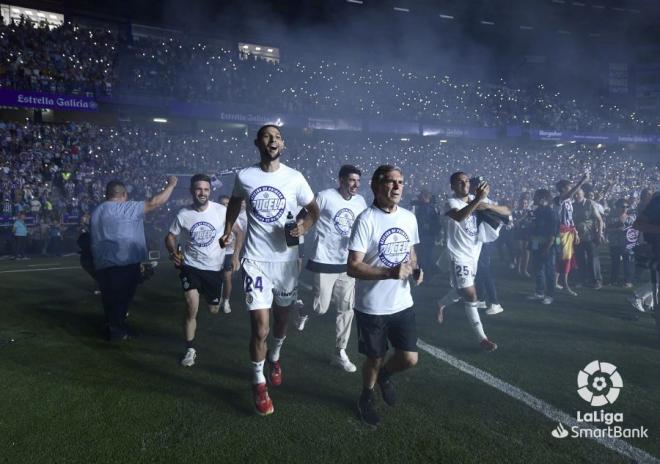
[
  {"x": 462, "y": 271},
  {"x": 258, "y": 284}
]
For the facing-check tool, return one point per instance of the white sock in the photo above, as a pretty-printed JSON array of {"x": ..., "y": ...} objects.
[
  {"x": 258, "y": 372},
  {"x": 473, "y": 317},
  {"x": 274, "y": 351},
  {"x": 449, "y": 298}
]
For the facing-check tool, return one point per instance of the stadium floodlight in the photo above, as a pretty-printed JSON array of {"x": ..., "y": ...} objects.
[
  {"x": 401, "y": 9},
  {"x": 246, "y": 46},
  {"x": 257, "y": 49},
  {"x": 445, "y": 16},
  {"x": 160, "y": 120},
  {"x": 559, "y": 145},
  {"x": 443, "y": 141},
  {"x": 270, "y": 50},
  {"x": 487, "y": 23},
  {"x": 357, "y": 2},
  {"x": 405, "y": 139}
]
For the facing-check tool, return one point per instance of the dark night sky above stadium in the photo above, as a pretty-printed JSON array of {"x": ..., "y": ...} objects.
[{"x": 491, "y": 34}]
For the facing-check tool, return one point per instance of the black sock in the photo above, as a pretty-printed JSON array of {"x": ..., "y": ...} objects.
[
  {"x": 189, "y": 344},
  {"x": 367, "y": 393}
]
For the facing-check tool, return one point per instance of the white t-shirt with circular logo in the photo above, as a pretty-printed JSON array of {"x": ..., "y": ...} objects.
[
  {"x": 270, "y": 196},
  {"x": 386, "y": 240},
  {"x": 201, "y": 231},
  {"x": 462, "y": 237},
  {"x": 329, "y": 243}
]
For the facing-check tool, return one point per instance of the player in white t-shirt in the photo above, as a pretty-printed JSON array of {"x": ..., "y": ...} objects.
[
  {"x": 232, "y": 264},
  {"x": 270, "y": 267},
  {"x": 464, "y": 246},
  {"x": 328, "y": 252},
  {"x": 382, "y": 258},
  {"x": 200, "y": 261}
]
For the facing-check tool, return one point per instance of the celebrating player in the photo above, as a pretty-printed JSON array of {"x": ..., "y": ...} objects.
[
  {"x": 201, "y": 260},
  {"x": 329, "y": 251},
  {"x": 273, "y": 192}
]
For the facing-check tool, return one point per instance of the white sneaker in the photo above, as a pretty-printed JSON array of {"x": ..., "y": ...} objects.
[
  {"x": 225, "y": 307},
  {"x": 494, "y": 309},
  {"x": 481, "y": 305},
  {"x": 535, "y": 297},
  {"x": 300, "y": 323},
  {"x": 342, "y": 361},
  {"x": 636, "y": 303},
  {"x": 547, "y": 300},
  {"x": 189, "y": 359}
]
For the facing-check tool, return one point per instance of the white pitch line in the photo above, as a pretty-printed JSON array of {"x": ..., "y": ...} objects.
[
  {"x": 13, "y": 271},
  {"x": 620, "y": 446}
]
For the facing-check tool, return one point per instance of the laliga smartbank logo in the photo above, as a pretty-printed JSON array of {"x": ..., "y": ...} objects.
[{"x": 599, "y": 384}]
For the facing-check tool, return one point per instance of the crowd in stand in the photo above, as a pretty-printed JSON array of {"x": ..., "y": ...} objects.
[
  {"x": 63, "y": 168},
  {"x": 66, "y": 59},
  {"x": 72, "y": 59}
]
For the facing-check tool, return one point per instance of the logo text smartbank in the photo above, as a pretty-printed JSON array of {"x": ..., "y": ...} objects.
[{"x": 599, "y": 384}]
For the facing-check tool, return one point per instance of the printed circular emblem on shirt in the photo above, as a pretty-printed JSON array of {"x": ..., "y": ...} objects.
[
  {"x": 393, "y": 247},
  {"x": 202, "y": 234},
  {"x": 343, "y": 221},
  {"x": 268, "y": 203},
  {"x": 471, "y": 226},
  {"x": 632, "y": 235}
]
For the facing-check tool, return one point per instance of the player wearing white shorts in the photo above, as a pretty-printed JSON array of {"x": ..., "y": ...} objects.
[
  {"x": 328, "y": 248},
  {"x": 382, "y": 258},
  {"x": 270, "y": 267},
  {"x": 201, "y": 225},
  {"x": 464, "y": 247}
]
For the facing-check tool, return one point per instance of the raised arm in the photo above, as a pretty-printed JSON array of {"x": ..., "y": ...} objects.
[
  {"x": 161, "y": 198},
  {"x": 572, "y": 191}
]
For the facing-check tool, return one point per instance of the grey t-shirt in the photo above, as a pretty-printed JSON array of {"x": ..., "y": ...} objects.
[{"x": 118, "y": 234}]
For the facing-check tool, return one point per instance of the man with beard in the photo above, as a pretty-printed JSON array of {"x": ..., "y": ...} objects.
[
  {"x": 201, "y": 258},
  {"x": 270, "y": 267},
  {"x": 329, "y": 251}
]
